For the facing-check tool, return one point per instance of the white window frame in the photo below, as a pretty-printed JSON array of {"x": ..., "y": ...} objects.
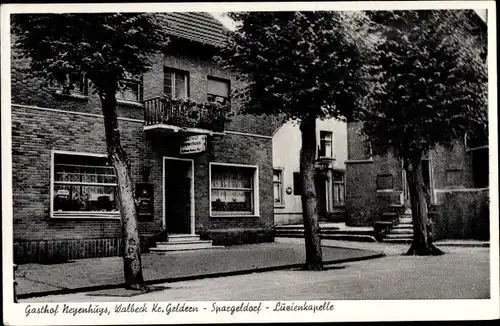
[
  {"x": 75, "y": 215},
  {"x": 256, "y": 199},
  {"x": 173, "y": 72},
  {"x": 324, "y": 139},
  {"x": 280, "y": 204}
]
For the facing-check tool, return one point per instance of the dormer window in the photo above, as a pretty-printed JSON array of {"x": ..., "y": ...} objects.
[{"x": 175, "y": 83}]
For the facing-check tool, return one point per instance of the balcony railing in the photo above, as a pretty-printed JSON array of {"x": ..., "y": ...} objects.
[{"x": 185, "y": 113}]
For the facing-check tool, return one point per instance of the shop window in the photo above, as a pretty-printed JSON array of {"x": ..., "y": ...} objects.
[
  {"x": 129, "y": 91},
  {"x": 297, "y": 184},
  {"x": 83, "y": 185},
  {"x": 233, "y": 190},
  {"x": 480, "y": 167},
  {"x": 454, "y": 177},
  {"x": 175, "y": 83},
  {"x": 218, "y": 90},
  {"x": 338, "y": 189},
  {"x": 278, "y": 187},
  {"x": 384, "y": 182},
  {"x": 325, "y": 144}
]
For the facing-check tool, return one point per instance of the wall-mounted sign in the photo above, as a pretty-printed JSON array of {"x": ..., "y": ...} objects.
[
  {"x": 289, "y": 190},
  {"x": 194, "y": 144},
  {"x": 144, "y": 197}
]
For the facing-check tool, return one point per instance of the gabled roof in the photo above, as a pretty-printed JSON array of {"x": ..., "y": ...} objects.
[{"x": 196, "y": 26}]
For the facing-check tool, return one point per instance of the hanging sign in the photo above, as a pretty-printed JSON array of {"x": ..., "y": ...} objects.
[
  {"x": 144, "y": 197},
  {"x": 194, "y": 144}
]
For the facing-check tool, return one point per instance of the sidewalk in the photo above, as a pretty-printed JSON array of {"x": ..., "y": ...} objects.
[{"x": 100, "y": 273}]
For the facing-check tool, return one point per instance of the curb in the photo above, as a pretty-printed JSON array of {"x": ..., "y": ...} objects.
[
  {"x": 195, "y": 277},
  {"x": 464, "y": 245}
]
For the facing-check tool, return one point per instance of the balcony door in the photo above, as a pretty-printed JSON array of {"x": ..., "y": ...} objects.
[{"x": 178, "y": 196}]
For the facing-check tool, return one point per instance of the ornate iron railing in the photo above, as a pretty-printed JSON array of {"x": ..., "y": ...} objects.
[{"x": 185, "y": 113}]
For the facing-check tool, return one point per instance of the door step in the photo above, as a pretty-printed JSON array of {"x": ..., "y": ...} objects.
[{"x": 178, "y": 242}]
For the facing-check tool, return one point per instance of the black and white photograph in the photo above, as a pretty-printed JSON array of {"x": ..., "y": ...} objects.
[{"x": 236, "y": 162}]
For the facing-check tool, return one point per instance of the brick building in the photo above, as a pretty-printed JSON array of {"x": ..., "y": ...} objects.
[
  {"x": 203, "y": 172},
  {"x": 458, "y": 179}
]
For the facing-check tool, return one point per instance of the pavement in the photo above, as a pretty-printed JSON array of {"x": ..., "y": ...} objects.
[
  {"x": 106, "y": 273},
  {"x": 462, "y": 273}
]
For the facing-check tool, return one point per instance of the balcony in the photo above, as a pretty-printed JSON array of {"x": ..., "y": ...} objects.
[{"x": 184, "y": 115}]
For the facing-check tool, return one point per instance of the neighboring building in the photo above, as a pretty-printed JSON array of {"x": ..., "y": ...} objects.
[
  {"x": 330, "y": 187},
  {"x": 64, "y": 190},
  {"x": 458, "y": 179}
]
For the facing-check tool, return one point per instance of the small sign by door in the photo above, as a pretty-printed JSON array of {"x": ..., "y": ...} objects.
[
  {"x": 194, "y": 144},
  {"x": 144, "y": 197}
]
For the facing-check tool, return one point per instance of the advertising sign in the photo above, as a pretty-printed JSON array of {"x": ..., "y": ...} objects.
[
  {"x": 194, "y": 144},
  {"x": 144, "y": 196}
]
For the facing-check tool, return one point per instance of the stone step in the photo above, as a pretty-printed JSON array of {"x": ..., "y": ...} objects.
[
  {"x": 405, "y": 241},
  {"x": 184, "y": 246},
  {"x": 182, "y": 238},
  {"x": 404, "y": 226},
  {"x": 401, "y": 231},
  {"x": 398, "y": 235},
  {"x": 197, "y": 241},
  {"x": 405, "y": 220}
]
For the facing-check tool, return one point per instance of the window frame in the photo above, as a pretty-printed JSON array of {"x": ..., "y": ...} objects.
[
  {"x": 281, "y": 203},
  {"x": 338, "y": 183},
  {"x": 323, "y": 141},
  {"x": 139, "y": 92},
  {"x": 377, "y": 182},
  {"x": 172, "y": 72},
  {"x": 223, "y": 80},
  {"x": 255, "y": 193},
  {"x": 76, "y": 214}
]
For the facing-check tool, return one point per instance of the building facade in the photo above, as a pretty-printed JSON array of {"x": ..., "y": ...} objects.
[
  {"x": 197, "y": 169},
  {"x": 457, "y": 177},
  {"x": 331, "y": 137}
]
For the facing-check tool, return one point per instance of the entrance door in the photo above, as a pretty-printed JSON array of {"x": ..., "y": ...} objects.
[{"x": 178, "y": 196}]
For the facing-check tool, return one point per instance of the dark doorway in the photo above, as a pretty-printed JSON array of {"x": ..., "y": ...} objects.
[
  {"x": 178, "y": 196},
  {"x": 320, "y": 185}
]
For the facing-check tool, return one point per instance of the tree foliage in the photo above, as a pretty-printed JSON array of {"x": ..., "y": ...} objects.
[
  {"x": 107, "y": 47},
  {"x": 431, "y": 81},
  {"x": 297, "y": 64}
]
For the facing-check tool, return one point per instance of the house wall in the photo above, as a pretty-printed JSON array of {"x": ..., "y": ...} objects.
[
  {"x": 287, "y": 143},
  {"x": 43, "y": 121},
  {"x": 461, "y": 207}
]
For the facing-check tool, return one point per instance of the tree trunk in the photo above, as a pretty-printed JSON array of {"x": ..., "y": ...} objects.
[
  {"x": 422, "y": 242},
  {"x": 131, "y": 242},
  {"x": 314, "y": 259}
]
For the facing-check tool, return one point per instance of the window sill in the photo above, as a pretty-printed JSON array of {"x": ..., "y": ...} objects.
[
  {"x": 279, "y": 206},
  {"x": 326, "y": 158},
  {"x": 74, "y": 96},
  {"x": 86, "y": 215},
  {"x": 370, "y": 160},
  {"x": 129, "y": 103},
  {"x": 238, "y": 215},
  {"x": 385, "y": 190}
]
